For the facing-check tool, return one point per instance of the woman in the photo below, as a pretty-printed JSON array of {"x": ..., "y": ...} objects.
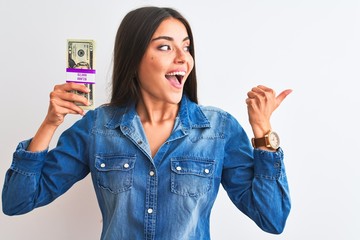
[{"x": 156, "y": 157}]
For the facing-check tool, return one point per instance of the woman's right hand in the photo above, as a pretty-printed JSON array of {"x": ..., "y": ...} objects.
[{"x": 62, "y": 102}]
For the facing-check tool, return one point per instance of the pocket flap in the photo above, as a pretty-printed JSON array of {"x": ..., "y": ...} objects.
[
  {"x": 114, "y": 162},
  {"x": 203, "y": 168}
]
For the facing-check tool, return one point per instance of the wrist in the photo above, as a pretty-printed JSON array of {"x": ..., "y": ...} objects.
[
  {"x": 47, "y": 126},
  {"x": 269, "y": 141},
  {"x": 261, "y": 131}
]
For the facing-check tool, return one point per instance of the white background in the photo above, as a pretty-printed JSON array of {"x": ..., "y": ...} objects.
[{"x": 310, "y": 46}]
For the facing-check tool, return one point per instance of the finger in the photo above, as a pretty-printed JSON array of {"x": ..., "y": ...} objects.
[
  {"x": 258, "y": 90},
  {"x": 61, "y": 112},
  {"x": 264, "y": 88},
  {"x": 68, "y": 96},
  {"x": 74, "y": 97},
  {"x": 56, "y": 114},
  {"x": 251, "y": 94},
  {"x": 283, "y": 95},
  {"x": 263, "y": 91},
  {"x": 78, "y": 87},
  {"x": 70, "y": 86},
  {"x": 65, "y": 107},
  {"x": 249, "y": 102}
]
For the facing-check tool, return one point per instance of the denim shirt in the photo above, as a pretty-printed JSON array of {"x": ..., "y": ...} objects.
[{"x": 169, "y": 196}]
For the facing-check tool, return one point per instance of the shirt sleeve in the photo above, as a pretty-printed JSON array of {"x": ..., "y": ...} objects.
[
  {"x": 255, "y": 180},
  {"x": 37, "y": 178}
]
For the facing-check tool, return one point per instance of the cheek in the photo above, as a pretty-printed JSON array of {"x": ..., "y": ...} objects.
[
  {"x": 191, "y": 63},
  {"x": 150, "y": 69},
  {"x": 147, "y": 66},
  {"x": 153, "y": 64}
]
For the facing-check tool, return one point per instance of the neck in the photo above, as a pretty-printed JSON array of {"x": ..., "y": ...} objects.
[{"x": 156, "y": 112}]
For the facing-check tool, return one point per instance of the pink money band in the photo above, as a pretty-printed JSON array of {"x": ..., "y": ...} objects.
[{"x": 78, "y": 75}]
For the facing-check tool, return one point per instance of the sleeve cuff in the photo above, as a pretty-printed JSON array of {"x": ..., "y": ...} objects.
[
  {"x": 269, "y": 165},
  {"x": 26, "y": 162}
]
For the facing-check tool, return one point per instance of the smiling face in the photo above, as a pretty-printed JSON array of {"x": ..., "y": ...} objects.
[{"x": 166, "y": 63}]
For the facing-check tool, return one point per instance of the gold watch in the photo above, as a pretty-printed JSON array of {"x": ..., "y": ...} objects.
[{"x": 271, "y": 140}]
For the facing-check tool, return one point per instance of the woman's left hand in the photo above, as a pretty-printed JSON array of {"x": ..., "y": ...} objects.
[{"x": 261, "y": 103}]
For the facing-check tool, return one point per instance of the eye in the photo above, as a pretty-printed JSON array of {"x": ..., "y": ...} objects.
[
  {"x": 164, "y": 48},
  {"x": 187, "y": 48}
]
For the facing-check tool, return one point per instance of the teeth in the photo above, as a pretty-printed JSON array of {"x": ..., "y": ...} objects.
[{"x": 176, "y": 73}]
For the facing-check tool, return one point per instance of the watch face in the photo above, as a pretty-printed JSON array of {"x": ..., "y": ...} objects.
[{"x": 274, "y": 140}]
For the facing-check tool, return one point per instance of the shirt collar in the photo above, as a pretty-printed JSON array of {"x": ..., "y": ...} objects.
[{"x": 190, "y": 115}]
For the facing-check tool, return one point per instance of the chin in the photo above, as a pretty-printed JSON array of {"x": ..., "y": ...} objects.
[{"x": 175, "y": 99}]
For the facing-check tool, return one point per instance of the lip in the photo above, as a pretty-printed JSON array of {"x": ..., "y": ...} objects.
[
  {"x": 176, "y": 70},
  {"x": 174, "y": 82}
]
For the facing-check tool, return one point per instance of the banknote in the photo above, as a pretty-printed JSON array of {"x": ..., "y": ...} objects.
[{"x": 81, "y": 67}]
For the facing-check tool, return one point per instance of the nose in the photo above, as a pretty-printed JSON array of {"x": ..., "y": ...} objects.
[{"x": 180, "y": 56}]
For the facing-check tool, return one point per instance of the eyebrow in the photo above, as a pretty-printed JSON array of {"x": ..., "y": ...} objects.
[{"x": 168, "y": 38}]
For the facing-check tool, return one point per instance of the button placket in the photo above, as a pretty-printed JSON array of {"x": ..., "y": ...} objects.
[{"x": 151, "y": 203}]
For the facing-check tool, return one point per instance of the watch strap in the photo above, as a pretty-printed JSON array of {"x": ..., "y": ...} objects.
[
  {"x": 259, "y": 142},
  {"x": 266, "y": 141}
]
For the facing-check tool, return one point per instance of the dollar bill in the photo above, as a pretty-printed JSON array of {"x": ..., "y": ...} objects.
[{"x": 81, "y": 67}]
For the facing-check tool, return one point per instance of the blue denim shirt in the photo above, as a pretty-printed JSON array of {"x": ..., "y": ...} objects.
[{"x": 169, "y": 196}]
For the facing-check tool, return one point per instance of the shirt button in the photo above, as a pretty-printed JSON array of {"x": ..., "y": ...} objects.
[
  {"x": 126, "y": 165},
  {"x": 102, "y": 165},
  {"x": 151, "y": 173},
  {"x": 178, "y": 168},
  {"x": 206, "y": 171},
  {"x": 139, "y": 142},
  {"x": 150, "y": 211}
]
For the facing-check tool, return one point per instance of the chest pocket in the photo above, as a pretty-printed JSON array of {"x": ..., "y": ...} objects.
[
  {"x": 115, "y": 172},
  {"x": 191, "y": 177}
]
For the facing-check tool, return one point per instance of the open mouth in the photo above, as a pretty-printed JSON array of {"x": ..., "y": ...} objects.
[{"x": 175, "y": 77}]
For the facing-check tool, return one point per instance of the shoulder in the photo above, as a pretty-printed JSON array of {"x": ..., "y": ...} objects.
[
  {"x": 212, "y": 113},
  {"x": 211, "y": 110},
  {"x": 104, "y": 114},
  {"x": 221, "y": 118}
]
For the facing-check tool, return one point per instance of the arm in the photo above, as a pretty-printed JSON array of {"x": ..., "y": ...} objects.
[
  {"x": 36, "y": 177},
  {"x": 61, "y": 104},
  {"x": 255, "y": 179}
]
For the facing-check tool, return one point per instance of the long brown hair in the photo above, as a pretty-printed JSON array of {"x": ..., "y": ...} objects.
[{"x": 132, "y": 39}]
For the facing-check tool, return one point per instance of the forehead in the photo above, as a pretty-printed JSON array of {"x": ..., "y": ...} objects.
[{"x": 171, "y": 27}]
